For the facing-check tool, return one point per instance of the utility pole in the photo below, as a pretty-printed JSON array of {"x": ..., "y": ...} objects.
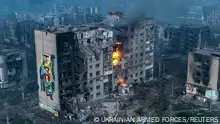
[
  {"x": 160, "y": 69},
  {"x": 210, "y": 102},
  {"x": 7, "y": 111},
  {"x": 22, "y": 90},
  {"x": 163, "y": 67},
  {"x": 7, "y": 120},
  {"x": 171, "y": 105},
  {"x": 172, "y": 87}
]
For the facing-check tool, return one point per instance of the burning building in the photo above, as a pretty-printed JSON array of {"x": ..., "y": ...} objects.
[
  {"x": 203, "y": 73},
  {"x": 73, "y": 62},
  {"x": 138, "y": 41}
]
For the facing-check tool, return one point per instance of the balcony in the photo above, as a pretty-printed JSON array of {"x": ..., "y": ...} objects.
[
  {"x": 108, "y": 72},
  {"x": 149, "y": 67},
  {"x": 151, "y": 54},
  {"x": 147, "y": 49},
  {"x": 147, "y": 42},
  {"x": 66, "y": 92},
  {"x": 105, "y": 80}
]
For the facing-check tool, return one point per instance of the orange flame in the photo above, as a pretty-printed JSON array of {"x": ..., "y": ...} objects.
[
  {"x": 122, "y": 82},
  {"x": 116, "y": 56}
]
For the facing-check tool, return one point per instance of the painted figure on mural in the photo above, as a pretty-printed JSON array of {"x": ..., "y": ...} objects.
[{"x": 47, "y": 77}]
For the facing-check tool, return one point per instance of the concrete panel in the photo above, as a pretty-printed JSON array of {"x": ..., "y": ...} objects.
[
  {"x": 190, "y": 68},
  {"x": 214, "y": 72},
  {"x": 45, "y": 44},
  {"x": 3, "y": 69}
]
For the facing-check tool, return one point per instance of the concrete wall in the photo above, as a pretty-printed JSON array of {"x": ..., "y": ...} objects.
[
  {"x": 45, "y": 43},
  {"x": 190, "y": 68},
  {"x": 24, "y": 64},
  {"x": 214, "y": 73},
  {"x": 3, "y": 72}
]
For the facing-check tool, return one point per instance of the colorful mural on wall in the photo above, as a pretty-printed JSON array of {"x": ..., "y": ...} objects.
[{"x": 47, "y": 75}]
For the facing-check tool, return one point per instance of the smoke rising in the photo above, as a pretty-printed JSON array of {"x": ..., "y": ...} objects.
[
  {"x": 165, "y": 10},
  {"x": 134, "y": 10}
]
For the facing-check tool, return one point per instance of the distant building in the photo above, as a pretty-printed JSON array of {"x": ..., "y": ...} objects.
[
  {"x": 9, "y": 32},
  {"x": 194, "y": 15},
  {"x": 206, "y": 2},
  {"x": 185, "y": 38},
  {"x": 24, "y": 32},
  {"x": 93, "y": 10},
  {"x": 203, "y": 73},
  {"x": 211, "y": 14},
  {"x": 13, "y": 67},
  {"x": 162, "y": 42},
  {"x": 93, "y": 18}
]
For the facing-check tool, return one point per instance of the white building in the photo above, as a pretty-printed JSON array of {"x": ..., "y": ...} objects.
[{"x": 203, "y": 73}]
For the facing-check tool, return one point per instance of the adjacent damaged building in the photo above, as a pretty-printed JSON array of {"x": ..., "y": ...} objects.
[
  {"x": 73, "y": 62},
  {"x": 203, "y": 73},
  {"x": 96, "y": 42},
  {"x": 186, "y": 38},
  {"x": 13, "y": 67},
  {"x": 56, "y": 60}
]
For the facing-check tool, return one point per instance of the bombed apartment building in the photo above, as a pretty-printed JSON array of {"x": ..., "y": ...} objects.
[
  {"x": 162, "y": 41},
  {"x": 13, "y": 67},
  {"x": 96, "y": 42},
  {"x": 203, "y": 73},
  {"x": 56, "y": 65},
  {"x": 186, "y": 38},
  {"x": 73, "y": 62},
  {"x": 138, "y": 47}
]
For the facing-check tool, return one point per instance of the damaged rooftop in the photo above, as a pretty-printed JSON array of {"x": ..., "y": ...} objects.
[{"x": 209, "y": 52}]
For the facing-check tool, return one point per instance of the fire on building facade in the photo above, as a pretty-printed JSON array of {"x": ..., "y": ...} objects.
[
  {"x": 86, "y": 52},
  {"x": 139, "y": 57}
]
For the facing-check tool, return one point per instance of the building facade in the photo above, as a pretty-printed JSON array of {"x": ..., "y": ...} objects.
[
  {"x": 203, "y": 73},
  {"x": 80, "y": 61},
  {"x": 186, "y": 38},
  {"x": 211, "y": 14},
  {"x": 97, "y": 45},
  {"x": 56, "y": 57},
  {"x": 138, "y": 61},
  {"x": 13, "y": 67}
]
